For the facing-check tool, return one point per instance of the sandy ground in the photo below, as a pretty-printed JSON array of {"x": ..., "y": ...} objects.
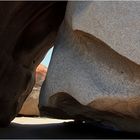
[
  {"x": 27, "y": 127},
  {"x": 37, "y": 120}
]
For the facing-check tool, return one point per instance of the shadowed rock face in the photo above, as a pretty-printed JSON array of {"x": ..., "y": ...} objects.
[
  {"x": 27, "y": 31},
  {"x": 94, "y": 72}
]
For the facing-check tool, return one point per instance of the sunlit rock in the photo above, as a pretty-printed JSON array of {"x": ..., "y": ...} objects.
[
  {"x": 94, "y": 72},
  {"x": 30, "y": 106}
]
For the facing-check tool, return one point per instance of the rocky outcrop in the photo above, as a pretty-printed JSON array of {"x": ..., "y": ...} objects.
[
  {"x": 40, "y": 75},
  {"x": 30, "y": 106},
  {"x": 27, "y": 31},
  {"x": 94, "y": 72}
]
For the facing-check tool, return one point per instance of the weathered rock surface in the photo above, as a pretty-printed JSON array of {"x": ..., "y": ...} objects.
[
  {"x": 115, "y": 23},
  {"x": 27, "y": 31},
  {"x": 94, "y": 73},
  {"x": 30, "y": 106}
]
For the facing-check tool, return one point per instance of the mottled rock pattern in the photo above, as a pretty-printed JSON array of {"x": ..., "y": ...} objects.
[
  {"x": 95, "y": 65},
  {"x": 30, "y": 106},
  {"x": 115, "y": 23}
]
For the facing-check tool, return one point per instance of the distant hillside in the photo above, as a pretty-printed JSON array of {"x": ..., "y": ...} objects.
[
  {"x": 30, "y": 106},
  {"x": 40, "y": 74}
]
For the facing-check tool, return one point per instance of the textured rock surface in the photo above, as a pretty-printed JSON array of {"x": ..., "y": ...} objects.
[
  {"x": 27, "y": 31},
  {"x": 115, "y": 23},
  {"x": 30, "y": 106},
  {"x": 94, "y": 74}
]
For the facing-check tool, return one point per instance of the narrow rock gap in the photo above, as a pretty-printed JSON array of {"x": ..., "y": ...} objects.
[
  {"x": 30, "y": 106},
  {"x": 47, "y": 58}
]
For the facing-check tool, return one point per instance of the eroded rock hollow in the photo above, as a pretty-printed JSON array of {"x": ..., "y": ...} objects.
[{"x": 27, "y": 31}]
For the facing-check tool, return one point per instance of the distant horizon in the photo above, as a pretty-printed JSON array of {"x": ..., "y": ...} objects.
[{"x": 47, "y": 58}]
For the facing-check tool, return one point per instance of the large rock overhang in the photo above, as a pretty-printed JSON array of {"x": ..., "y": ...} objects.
[{"x": 27, "y": 31}]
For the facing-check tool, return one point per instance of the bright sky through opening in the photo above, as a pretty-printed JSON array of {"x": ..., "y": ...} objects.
[{"x": 47, "y": 58}]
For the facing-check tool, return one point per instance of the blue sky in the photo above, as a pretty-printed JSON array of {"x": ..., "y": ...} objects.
[{"x": 47, "y": 58}]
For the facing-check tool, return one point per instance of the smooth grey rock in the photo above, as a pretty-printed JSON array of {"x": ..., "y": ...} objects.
[
  {"x": 93, "y": 72},
  {"x": 115, "y": 23}
]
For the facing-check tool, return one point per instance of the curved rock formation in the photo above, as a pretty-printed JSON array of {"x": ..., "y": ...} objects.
[
  {"x": 30, "y": 106},
  {"x": 27, "y": 31},
  {"x": 94, "y": 73}
]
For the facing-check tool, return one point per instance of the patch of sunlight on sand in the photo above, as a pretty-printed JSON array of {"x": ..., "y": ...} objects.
[{"x": 37, "y": 120}]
